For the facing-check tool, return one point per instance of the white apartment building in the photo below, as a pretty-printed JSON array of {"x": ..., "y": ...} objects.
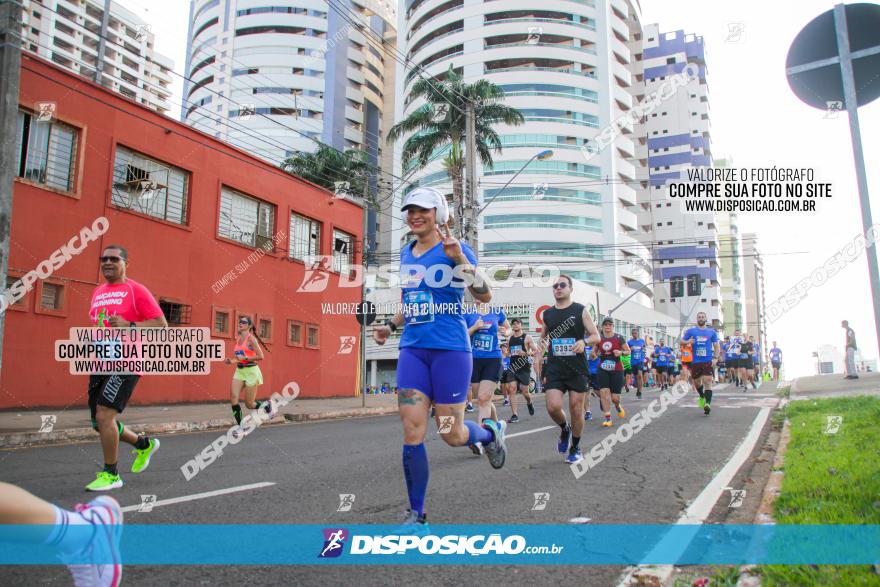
[
  {"x": 69, "y": 33},
  {"x": 684, "y": 246},
  {"x": 568, "y": 66}
]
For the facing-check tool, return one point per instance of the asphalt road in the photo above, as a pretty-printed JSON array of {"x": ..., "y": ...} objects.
[{"x": 650, "y": 479}]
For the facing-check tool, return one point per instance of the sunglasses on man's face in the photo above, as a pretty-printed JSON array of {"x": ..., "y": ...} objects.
[
  {"x": 561, "y": 285},
  {"x": 110, "y": 259},
  {"x": 244, "y": 322}
]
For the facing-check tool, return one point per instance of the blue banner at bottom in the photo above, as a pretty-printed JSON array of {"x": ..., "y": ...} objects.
[{"x": 473, "y": 544}]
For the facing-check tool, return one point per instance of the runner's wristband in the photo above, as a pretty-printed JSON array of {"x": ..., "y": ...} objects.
[{"x": 390, "y": 324}]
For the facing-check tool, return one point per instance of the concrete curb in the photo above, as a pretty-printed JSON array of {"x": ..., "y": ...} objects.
[{"x": 28, "y": 439}]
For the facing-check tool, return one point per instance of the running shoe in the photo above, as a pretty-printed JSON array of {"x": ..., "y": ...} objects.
[
  {"x": 564, "y": 436},
  {"x": 639, "y": 395},
  {"x": 99, "y": 564},
  {"x": 514, "y": 419},
  {"x": 701, "y": 402},
  {"x": 271, "y": 409},
  {"x": 754, "y": 386},
  {"x": 469, "y": 408},
  {"x": 238, "y": 432},
  {"x": 506, "y": 402},
  {"x": 477, "y": 448},
  {"x": 607, "y": 423},
  {"x": 413, "y": 525},
  {"x": 706, "y": 409},
  {"x": 497, "y": 449},
  {"x": 142, "y": 460},
  {"x": 574, "y": 456},
  {"x": 104, "y": 482},
  {"x": 621, "y": 413},
  {"x": 531, "y": 409},
  {"x": 588, "y": 415}
]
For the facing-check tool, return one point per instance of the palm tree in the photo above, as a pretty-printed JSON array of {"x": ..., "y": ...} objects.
[
  {"x": 440, "y": 124},
  {"x": 327, "y": 166}
]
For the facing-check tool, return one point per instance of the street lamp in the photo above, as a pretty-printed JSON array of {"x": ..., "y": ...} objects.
[{"x": 541, "y": 156}]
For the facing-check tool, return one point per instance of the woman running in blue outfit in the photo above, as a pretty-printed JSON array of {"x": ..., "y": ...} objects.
[{"x": 435, "y": 351}]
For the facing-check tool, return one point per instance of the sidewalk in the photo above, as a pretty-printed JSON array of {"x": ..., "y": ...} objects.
[
  {"x": 22, "y": 428},
  {"x": 834, "y": 385}
]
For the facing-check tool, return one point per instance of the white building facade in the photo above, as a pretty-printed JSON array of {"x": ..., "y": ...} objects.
[
  {"x": 568, "y": 67},
  {"x": 685, "y": 246}
]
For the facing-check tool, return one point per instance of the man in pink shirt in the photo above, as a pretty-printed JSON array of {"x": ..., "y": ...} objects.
[{"x": 119, "y": 303}]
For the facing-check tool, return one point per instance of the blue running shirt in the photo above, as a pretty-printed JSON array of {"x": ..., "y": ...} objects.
[
  {"x": 637, "y": 348},
  {"x": 432, "y": 307},
  {"x": 484, "y": 341},
  {"x": 703, "y": 341}
]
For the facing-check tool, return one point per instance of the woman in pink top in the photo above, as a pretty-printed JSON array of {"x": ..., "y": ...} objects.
[{"x": 248, "y": 377}]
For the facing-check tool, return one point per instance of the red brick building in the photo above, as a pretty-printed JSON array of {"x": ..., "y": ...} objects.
[{"x": 191, "y": 210}]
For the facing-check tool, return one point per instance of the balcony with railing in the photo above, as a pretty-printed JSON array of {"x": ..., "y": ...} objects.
[
  {"x": 534, "y": 64},
  {"x": 541, "y": 40},
  {"x": 539, "y": 16}
]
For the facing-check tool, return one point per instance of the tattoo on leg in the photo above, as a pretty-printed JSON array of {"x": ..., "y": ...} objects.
[{"x": 408, "y": 397}]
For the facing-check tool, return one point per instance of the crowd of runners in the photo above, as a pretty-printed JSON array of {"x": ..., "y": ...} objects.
[{"x": 448, "y": 361}]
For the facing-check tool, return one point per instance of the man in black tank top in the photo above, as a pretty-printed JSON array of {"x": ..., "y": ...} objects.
[
  {"x": 522, "y": 349},
  {"x": 568, "y": 330}
]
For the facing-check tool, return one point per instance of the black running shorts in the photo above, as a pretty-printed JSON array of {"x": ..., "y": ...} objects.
[
  {"x": 565, "y": 379},
  {"x": 486, "y": 370},
  {"x": 112, "y": 391},
  {"x": 612, "y": 380}
]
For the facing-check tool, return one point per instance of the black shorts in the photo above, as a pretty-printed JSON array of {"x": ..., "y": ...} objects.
[
  {"x": 662, "y": 369},
  {"x": 112, "y": 391},
  {"x": 486, "y": 370},
  {"x": 776, "y": 364},
  {"x": 523, "y": 376},
  {"x": 566, "y": 379},
  {"x": 746, "y": 364},
  {"x": 507, "y": 376},
  {"x": 594, "y": 383},
  {"x": 612, "y": 380}
]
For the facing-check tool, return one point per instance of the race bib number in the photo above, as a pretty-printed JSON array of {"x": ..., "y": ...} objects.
[
  {"x": 111, "y": 349},
  {"x": 608, "y": 365},
  {"x": 563, "y": 347},
  {"x": 515, "y": 349},
  {"x": 484, "y": 342},
  {"x": 701, "y": 352},
  {"x": 418, "y": 307}
]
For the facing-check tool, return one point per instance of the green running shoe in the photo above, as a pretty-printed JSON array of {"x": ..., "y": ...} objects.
[
  {"x": 104, "y": 482},
  {"x": 701, "y": 402},
  {"x": 142, "y": 461}
]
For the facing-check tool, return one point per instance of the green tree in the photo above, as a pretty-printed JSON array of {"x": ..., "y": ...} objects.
[
  {"x": 439, "y": 124},
  {"x": 327, "y": 165}
]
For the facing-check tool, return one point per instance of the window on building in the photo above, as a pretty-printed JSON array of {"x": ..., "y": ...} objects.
[
  {"x": 148, "y": 186},
  {"x": 313, "y": 340},
  {"x": 343, "y": 251},
  {"x": 294, "y": 333},
  {"x": 21, "y": 303},
  {"x": 175, "y": 312},
  {"x": 45, "y": 149},
  {"x": 245, "y": 219},
  {"x": 264, "y": 329},
  {"x": 694, "y": 284},
  {"x": 305, "y": 237},
  {"x": 222, "y": 322},
  {"x": 52, "y": 297}
]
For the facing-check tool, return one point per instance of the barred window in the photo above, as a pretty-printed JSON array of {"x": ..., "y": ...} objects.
[
  {"x": 46, "y": 149},
  {"x": 305, "y": 237},
  {"x": 245, "y": 219},
  {"x": 148, "y": 186}
]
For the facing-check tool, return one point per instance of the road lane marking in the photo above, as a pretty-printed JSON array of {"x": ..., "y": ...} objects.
[
  {"x": 702, "y": 506},
  {"x": 205, "y": 495},
  {"x": 529, "y": 431}
]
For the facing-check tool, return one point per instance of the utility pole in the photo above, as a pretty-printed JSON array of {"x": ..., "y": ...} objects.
[
  {"x": 102, "y": 44},
  {"x": 470, "y": 209},
  {"x": 10, "y": 73}
]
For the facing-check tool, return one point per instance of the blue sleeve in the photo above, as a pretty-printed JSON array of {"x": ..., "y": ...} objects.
[
  {"x": 502, "y": 317},
  {"x": 714, "y": 336}
]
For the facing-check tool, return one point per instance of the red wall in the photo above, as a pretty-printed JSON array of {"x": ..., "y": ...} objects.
[{"x": 175, "y": 262}]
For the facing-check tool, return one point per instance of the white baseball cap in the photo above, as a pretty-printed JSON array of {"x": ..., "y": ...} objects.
[{"x": 426, "y": 197}]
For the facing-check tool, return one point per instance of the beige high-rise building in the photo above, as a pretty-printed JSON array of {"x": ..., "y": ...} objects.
[{"x": 79, "y": 36}]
